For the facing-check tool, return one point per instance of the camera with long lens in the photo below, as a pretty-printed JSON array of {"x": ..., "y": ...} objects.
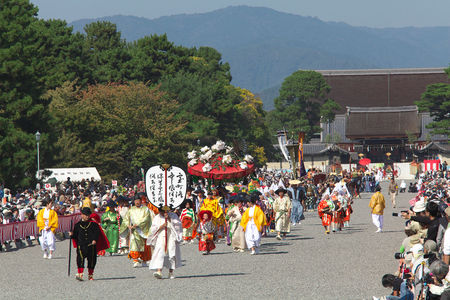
[{"x": 399, "y": 255}]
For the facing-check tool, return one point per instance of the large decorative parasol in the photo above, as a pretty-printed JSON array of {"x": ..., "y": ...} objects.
[
  {"x": 219, "y": 162},
  {"x": 364, "y": 161}
]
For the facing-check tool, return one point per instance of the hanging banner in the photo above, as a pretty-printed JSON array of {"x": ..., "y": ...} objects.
[
  {"x": 282, "y": 141},
  {"x": 301, "y": 137},
  {"x": 166, "y": 186}
]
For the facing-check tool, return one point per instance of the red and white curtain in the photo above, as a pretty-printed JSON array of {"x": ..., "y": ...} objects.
[{"x": 431, "y": 165}]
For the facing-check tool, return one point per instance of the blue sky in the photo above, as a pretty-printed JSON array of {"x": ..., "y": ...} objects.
[{"x": 371, "y": 13}]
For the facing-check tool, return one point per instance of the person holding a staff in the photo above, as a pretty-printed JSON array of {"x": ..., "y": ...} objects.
[{"x": 165, "y": 238}]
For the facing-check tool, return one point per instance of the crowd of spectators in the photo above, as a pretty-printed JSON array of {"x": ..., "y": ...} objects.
[
  {"x": 67, "y": 197},
  {"x": 424, "y": 253}
]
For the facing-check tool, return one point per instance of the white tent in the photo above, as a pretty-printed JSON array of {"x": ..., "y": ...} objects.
[{"x": 75, "y": 174}]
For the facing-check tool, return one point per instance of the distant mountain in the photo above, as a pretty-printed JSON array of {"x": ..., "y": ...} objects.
[{"x": 263, "y": 46}]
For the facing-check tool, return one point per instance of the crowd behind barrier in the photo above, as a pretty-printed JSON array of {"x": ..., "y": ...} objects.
[{"x": 24, "y": 229}]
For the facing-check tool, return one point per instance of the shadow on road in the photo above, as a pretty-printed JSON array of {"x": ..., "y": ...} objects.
[
  {"x": 275, "y": 244},
  {"x": 219, "y": 253},
  {"x": 270, "y": 253},
  {"x": 116, "y": 278},
  {"x": 211, "y": 275},
  {"x": 301, "y": 238}
]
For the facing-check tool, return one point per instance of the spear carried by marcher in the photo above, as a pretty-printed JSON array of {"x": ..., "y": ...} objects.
[
  {"x": 70, "y": 248},
  {"x": 165, "y": 208}
]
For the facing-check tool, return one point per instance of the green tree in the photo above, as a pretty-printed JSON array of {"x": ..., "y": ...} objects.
[
  {"x": 35, "y": 55},
  {"x": 206, "y": 96},
  {"x": 436, "y": 100},
  {"x": 107, "y": 53},
  {"x": 153, "y": 57},
  {"x": 253, "y": 126},
  {"x": 302, "y": 103},
  {"x": 118, "y": 128}
]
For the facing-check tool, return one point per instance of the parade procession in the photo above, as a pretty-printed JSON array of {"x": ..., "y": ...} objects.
[{"x": 197, "y": 150}]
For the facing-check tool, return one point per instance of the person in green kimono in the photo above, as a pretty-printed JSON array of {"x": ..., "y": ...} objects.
[
  {"x": 110, "y": 224},
  {"x": 137, "y": 223}
]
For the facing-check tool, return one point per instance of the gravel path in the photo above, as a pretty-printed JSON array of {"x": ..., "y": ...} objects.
[{"x": 307, "y": 265}]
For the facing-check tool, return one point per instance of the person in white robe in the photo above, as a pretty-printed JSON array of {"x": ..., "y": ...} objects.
[
  {"x": 162, "y": 256},
  {"x": 252, "y": 235},
  {"x": 253, "y": 220}
]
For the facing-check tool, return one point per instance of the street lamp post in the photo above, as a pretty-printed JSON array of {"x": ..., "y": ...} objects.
[{"x": 38, "y": 138}]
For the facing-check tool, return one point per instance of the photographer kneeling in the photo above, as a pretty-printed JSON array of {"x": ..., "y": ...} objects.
[{"x": 399, "y": 287}]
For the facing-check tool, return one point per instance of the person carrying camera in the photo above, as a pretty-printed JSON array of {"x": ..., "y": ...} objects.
[{"x": 399, "y": 287}]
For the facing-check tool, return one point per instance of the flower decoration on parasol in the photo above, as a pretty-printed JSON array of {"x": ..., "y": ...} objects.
[
  {"x": 364, "y": 161},
  {"x": 219, "y": 162}
]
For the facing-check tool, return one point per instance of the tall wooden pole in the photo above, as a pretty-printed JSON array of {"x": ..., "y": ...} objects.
[{"x": 165, "y": 208}]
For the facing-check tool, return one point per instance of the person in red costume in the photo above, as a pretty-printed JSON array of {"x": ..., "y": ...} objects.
[
  {"x": 88, "y": 238},
  {"x": 96, "y": 218},
  {"x": 325, "y": 211},
  {"x": 206, "y": 232}
]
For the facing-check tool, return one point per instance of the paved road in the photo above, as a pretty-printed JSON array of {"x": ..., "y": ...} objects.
[{"x": 308, "y": 265}]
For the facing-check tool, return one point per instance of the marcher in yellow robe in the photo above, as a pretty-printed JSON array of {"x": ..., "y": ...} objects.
[
  {"x": 213, "y": 206},
  {"x": 252, "y": 222},
  {"x": 47, "y": 221},
  {"x": 377, "y": 205},
  {"x": 137, "y": 222}
]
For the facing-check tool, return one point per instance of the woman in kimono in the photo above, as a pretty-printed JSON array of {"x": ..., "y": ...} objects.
[
  {"x": 236, "y": 231},
  {"x": 110, "y": 224},
  {"x": 188, "y": 222},
  {"x": 206, "y": 232}
]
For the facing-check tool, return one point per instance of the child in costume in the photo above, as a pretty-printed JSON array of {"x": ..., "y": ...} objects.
[
  {"x": 206, "y": 232},
  {"x": 348, "y": 212},
  {"x": 188, "y": 222},
  {"x": 336, "y": 221},
  {"x": 88, "y": 238}
]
